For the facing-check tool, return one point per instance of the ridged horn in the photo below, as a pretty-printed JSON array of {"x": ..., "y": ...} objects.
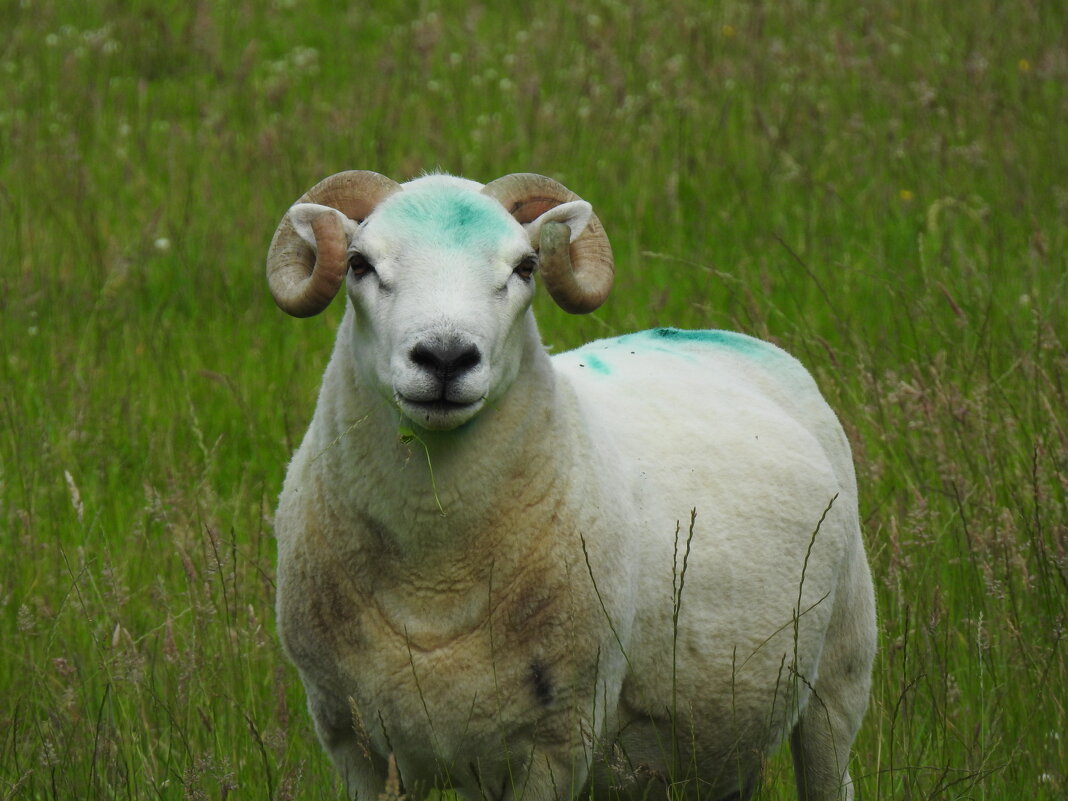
[
  {"x": 303, "y": 281},
  {"x": 578, "y": 277}
]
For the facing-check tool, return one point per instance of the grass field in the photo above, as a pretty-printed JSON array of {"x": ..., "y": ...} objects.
[{"x": 881, "y": 188}]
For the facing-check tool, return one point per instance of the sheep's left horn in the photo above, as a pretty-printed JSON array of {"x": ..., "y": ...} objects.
[
  {"x": 304, "y": 282},
  {"x": 579, "y": 274}
]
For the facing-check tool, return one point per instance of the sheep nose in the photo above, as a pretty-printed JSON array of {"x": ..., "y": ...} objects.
[{"x": 446, "y": 360}]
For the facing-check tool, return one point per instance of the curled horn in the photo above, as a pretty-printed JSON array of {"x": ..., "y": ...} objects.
[
  {"x": 304, "y": 281},
  {"x": 579, "y": 276}
]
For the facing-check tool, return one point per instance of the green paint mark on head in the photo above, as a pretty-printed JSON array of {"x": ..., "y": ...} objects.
[{"x": 447, "y": 216}]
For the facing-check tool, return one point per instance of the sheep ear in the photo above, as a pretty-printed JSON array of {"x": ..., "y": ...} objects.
[
  {"x": 575, "y": 215},
  {"x": 302, "y": 215}
]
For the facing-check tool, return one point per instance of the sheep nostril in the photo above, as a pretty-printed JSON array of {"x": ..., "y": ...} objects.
[
  {"x": 445, "y": 360},
  {"x": 467, "y": 358}
]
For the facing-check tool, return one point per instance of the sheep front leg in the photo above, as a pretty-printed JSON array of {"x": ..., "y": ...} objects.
[
  {"x": 548, "y": 777},
  {"x": 363, "y": 772}
]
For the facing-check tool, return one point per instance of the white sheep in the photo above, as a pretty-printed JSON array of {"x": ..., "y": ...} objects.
[{"x": 487, "y": 564}]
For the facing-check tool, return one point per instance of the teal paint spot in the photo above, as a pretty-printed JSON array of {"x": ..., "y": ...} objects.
[
  {"x": 596, "y": 364},
  {"x": 448, "y": 216},
  {"x": 606, "y": 356},
  {"x": 677, "y": 340},
  {"x": 742, "y": 343}
]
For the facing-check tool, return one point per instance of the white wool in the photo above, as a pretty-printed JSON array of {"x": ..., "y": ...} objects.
[{"x": 540, "y": 636}]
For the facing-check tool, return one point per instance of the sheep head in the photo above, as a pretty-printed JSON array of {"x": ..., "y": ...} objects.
[{"x": 439, "y": 274}]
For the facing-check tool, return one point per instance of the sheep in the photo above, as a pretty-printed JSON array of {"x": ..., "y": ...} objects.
[{"x": 631, "y": 566}]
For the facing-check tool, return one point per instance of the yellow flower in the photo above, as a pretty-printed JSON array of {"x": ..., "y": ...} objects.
[
  {"x": 728, "y": 31},
  {"x": 906, "y": 195},
  {"x": 1023, "y": 65}
]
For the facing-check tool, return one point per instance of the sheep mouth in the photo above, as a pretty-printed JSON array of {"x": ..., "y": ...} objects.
[{"x": 439, "y": 414}]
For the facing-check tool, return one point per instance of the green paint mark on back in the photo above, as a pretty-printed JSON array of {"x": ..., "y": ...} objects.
[
  {"x": 727, "y": 339},
  {"x": 596, "y": 364},
  {"x": 677, "y": 340}
]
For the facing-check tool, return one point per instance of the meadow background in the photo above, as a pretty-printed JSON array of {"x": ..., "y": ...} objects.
[{"x": 881, "y": 188}]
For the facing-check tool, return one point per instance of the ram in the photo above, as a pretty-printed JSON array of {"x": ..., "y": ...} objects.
[{"x": 631, "y": 566}]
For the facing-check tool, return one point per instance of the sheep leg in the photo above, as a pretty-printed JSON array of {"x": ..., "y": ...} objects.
[
  {"x": 363, "y": 771},
  {"x": 821, "y": 741},
  {"x": 547, "y": 777},
  {"x": 819, "y": 760}
]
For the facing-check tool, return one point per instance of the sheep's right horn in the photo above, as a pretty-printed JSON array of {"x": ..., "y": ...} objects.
[
  {"x": 303, "y": 281},
  {"x": 577, "y": 274}
]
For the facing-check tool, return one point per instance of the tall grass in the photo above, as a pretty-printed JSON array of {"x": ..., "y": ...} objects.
[{"x": 882, "y": 188}]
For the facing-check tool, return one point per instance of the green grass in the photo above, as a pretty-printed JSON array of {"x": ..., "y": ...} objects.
[{"x": 881, "y": 188}]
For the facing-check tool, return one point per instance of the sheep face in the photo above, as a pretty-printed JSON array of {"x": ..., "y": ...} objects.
[{"x": 440, "y": 282}]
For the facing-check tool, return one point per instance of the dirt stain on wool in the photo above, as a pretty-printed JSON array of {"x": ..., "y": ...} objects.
[{"x": 539, "y": 680}]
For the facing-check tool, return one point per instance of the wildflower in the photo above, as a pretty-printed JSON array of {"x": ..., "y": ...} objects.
[
  {"x": 64, "y": 667},
  {"x": 75, "y": 496},
  {"x": 24, "y": 621},
  {"x": 906, "y": 195},
  {"x": 728, "y": 31},
  {"x": 1023, "y": 65}
]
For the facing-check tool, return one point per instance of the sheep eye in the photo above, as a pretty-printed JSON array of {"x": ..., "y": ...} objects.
[
  {"x": 359, "y": 266},
  {"x": 526, "y": 266}
]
